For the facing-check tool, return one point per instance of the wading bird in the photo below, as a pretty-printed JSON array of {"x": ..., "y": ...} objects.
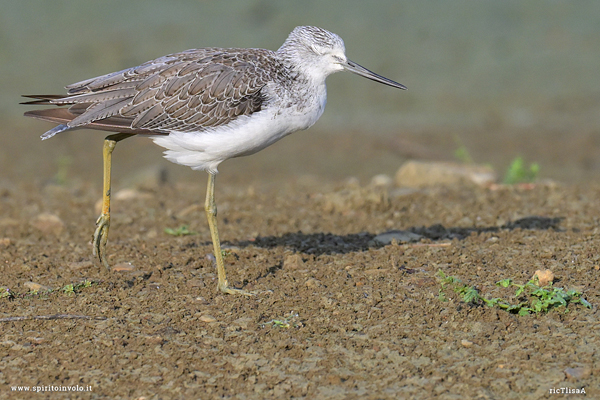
[{"x": 205, "y": 106}]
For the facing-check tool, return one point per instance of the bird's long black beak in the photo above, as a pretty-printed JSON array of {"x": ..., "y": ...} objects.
[{"x": 362, "y": 71}]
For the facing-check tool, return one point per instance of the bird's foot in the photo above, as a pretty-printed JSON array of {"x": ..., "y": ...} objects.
[
  {"x": 224, "y": 288},
  {"x": 100, "y": 238}
]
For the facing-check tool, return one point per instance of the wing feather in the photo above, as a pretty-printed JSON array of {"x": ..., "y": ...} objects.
[{"x": 188, "y": 91}]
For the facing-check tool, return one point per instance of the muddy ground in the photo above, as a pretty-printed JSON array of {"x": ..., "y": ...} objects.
[{"x": 337, "y": 315}]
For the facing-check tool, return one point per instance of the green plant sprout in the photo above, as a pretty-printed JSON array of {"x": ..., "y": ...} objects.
[
  {"x": 69, "y": 290},
  {"x": 518, "y": 173},
  {"x": 291, "y": 321},
  {"x": 462, "y": 154},
  {"x": 5, "y": 293},
  {"x": 183, "y": 230},
  {"x": 532, "y": 298}
]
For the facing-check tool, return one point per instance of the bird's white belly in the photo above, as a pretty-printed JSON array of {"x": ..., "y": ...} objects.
[{"x": 244, "y": 136}]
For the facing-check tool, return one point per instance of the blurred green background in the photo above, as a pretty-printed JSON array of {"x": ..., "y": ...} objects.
[{"x": 499, "y": 78}]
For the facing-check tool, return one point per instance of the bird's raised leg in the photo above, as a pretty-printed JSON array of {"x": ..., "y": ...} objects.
[
  {"x": 211, "y": 214},
  {"x": 103, "y": 223}
]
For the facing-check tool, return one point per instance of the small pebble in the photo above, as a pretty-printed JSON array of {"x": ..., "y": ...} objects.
[
  {"x": 466, "y": 343},
  {"x": 48, "y": 224},
  {"x": 207, "y": 318},
  {"x": 577, "y": 373},
  {"x": 154, "y": 339},
  {"x": 293, "y": 261},
  {"x": 424, "y": 174},
  {"x": 382, "y": 180},
  {"x": 130, "y": 194},
  {"x": 152, "y": 233},
  {"x": 36, "y": 287},
  {"x": 545, "y": 277},
  {"x": 123, "y": 267}
]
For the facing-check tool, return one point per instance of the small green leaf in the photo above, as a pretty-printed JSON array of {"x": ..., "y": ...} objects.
[
  {"x": 518, "y": 173},
  {"x": 504, "y": 282},
  {"x": 520, "y": 290},
  {"x": 183, "y": 230},
  {"x": 462, "y": 154},
  {"x": 524, "y": 311}
]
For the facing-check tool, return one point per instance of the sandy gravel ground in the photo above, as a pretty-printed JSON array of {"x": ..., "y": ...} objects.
[{"x": 337, "y": 314}]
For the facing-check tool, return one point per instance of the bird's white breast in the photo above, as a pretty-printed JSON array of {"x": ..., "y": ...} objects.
[{"x": 243, "y": 136}]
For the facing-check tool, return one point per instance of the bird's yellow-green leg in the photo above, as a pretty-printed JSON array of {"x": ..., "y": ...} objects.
[
  {"x": 211, "y": 214},
  {"x": 103, "y": 223}
]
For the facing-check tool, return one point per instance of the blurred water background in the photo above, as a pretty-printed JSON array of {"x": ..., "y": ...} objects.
[{"x": 499, "y": 78}]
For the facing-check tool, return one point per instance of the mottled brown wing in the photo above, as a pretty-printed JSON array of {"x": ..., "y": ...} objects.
[{"x": 188, "y": 91}]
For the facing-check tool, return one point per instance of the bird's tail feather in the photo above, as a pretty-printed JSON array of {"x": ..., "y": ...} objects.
[{"x": 57, "y": 129}]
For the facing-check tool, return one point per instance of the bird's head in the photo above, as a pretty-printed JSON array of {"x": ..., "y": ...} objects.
[{"x": 319, "y": 53}]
